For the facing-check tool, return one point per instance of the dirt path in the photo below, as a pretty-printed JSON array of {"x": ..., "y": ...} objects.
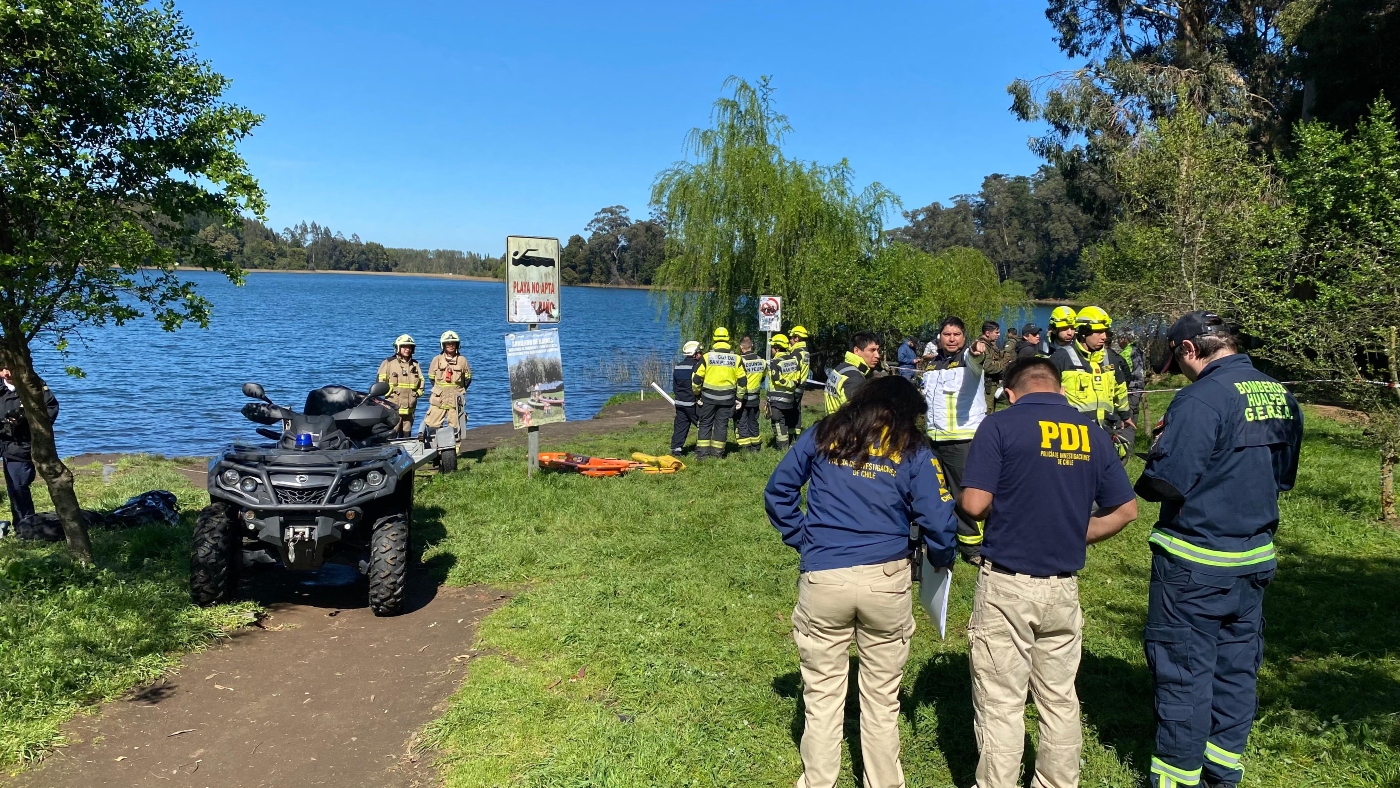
[{"x": 321, "y": 693}]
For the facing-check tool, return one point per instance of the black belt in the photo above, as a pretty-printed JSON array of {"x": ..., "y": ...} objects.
[{"x": 1001, "y": 570}]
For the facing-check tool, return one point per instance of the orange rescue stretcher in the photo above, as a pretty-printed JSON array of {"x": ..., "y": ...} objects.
[{"x": 608, "y": 466}]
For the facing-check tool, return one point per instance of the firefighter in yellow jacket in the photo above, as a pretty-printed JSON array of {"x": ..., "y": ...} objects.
[
  {"x": 405, "y": 378},
  {"x": 451, "y": 375},
  {"x": 721, "y": 382},
  {"x": 849, "y": 374},
  {"x": 1095, "y": 377},
  {"x": 784, "y": 393},
  {"x": 798, "y": 349},
  {"x": 746, "y": 419}
]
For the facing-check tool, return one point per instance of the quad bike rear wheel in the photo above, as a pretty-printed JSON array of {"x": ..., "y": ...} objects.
[
  {"x": 388, "y": 565},
  {"x": 215, "y": 556}
]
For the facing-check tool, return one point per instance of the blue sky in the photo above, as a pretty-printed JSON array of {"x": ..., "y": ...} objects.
[{"x": 455, "y": 124}]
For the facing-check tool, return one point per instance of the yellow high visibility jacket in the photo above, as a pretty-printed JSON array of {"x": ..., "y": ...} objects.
[
  {"x": 754, "y": 369},
  {"x": 720, "y": 376},
  {"x": 784, "y": 380},
  {"x": 844, "y": 381},
  {"x": 1095, "y": 383},
  {"x": 804, "y": 363}
]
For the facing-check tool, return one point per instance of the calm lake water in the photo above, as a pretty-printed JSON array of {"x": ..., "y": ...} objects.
[{"x": 178, "y": 393}]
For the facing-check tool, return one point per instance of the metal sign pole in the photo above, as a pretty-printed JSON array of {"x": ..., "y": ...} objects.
[
  {"x": 768, "y": 356},
  {"x": 532, "y": 437}
]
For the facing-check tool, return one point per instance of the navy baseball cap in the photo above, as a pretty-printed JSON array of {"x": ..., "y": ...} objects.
[
  {"x": 1030, "y": 328},
  {"x": 1190, "y": 326}
]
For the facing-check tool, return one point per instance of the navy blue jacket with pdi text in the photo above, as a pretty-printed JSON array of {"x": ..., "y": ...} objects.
[
  {"x": 860, "y": 516},
  {"x": 1229, "y": 446}
]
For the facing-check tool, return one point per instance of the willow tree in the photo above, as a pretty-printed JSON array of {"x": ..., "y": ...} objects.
[
  {"x": 113, "y": 141},
  {"x": 743, "y": 220},
  {"x": 903, "y": 291}
]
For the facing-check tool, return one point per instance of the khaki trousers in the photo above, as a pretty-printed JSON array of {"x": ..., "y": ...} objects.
[
  {"x": 874, "y": 604},
  {"x": 1026, "y": 631}
]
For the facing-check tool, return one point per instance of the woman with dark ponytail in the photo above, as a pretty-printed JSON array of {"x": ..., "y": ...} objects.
[{"x": 870, "y": 475}]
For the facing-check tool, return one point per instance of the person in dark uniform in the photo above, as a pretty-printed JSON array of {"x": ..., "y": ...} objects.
[
  {"x": 1029, "y": 346},
  {"x": 15, "y": 447},
  {"x": 1026, "y": 630},
  {"x": 1228, "y": 446},
  {"x": 683, "y": 392}
]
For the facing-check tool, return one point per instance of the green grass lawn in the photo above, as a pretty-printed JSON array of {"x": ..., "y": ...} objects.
[
  {"x": 647, "y": 643},
  {"x": 71, "y": 636}
]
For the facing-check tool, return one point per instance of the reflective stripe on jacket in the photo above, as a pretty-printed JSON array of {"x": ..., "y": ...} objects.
[
  {"x": 784, "y": 380},
  {"x": 844, "y": 381},
  {"x": 754, "y": 369},
  {"x": 804, "y": 363},
  {"x": 953, "y": 392},
  {"x": 450, "y": 378},
  {"x": 405, "y": 379},
  {"x": 682, "y": 385},
  {"x": 720, "y": 375},
  {"x": 1229, "y": 445},
  {"x": 1092, "y": 381}
]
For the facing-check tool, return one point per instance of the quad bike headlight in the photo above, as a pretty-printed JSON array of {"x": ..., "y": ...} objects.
[
  {"x": 230, "y": 477},
  {"x": 357, "y": 485},
  {"x": 374, "y": 478},
  {"x": 248, "y": 484}
]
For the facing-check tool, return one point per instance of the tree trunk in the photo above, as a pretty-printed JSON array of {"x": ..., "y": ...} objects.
[
  {"x": 1388, "y": 485},
  {"x": 1390, "y": 442},
  {"x": 14, "y": 354}
]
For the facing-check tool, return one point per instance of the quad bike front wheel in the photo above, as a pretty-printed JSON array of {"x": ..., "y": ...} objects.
[
  {"x": 388, "y": 565},
  {"x": 215, "y": 555}
]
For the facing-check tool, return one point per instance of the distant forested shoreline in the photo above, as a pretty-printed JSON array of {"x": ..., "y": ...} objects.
[
  {"x": 618, "y": 251},
  {"x": 253, "y": 246}
]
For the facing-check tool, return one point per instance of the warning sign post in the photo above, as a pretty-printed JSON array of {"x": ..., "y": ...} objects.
[{"x": 532, "y": 280}]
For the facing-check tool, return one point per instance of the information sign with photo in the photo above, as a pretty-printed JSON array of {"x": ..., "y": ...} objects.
[
  {"x": 770, "y": 313},
  {"x": 532, "y": 279},
  {"x": 536, "y": 378}
]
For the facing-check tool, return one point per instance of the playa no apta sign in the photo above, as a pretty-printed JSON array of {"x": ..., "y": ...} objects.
[
  {"x": 532, "y": 279},
  {"x": 770, "y": 313},
  {"x": 536, "y": 378}
]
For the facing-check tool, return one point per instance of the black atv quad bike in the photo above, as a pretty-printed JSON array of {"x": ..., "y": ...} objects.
[{"x": 331, "y": 485}]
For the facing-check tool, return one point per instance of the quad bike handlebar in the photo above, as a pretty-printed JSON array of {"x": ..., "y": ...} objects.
[{"x": 335, "y": 414}]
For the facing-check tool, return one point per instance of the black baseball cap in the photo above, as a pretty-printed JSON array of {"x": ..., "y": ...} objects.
[
  {"x": 1030, "y": 328},
  {"x": 1190, "y": 326}
]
